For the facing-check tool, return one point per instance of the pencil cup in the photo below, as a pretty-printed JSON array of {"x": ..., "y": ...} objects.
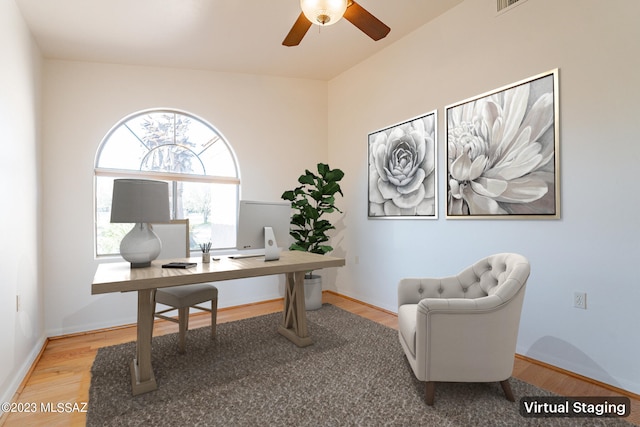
[{"x": 206, "y": 257}]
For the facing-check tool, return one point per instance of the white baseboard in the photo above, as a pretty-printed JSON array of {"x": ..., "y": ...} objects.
[{"x": 21, "y": 373}]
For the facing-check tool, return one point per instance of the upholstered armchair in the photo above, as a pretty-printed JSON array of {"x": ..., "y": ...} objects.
[{"x": 464, "y": 328}]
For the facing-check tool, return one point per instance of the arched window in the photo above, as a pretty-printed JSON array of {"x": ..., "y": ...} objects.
[{"x": 188, "y": 153}]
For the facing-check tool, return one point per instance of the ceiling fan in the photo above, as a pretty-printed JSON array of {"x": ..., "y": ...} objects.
[{"x": 328, "y": 12}]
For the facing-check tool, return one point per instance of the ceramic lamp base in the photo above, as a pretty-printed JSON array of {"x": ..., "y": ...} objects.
[{"x": 140, "y": 246}]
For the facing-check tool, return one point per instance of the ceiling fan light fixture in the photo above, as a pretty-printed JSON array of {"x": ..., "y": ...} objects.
[{"x": 323, "y": 12}]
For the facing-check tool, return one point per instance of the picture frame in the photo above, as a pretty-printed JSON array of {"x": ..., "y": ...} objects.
[
  {"x": 402, "y": 170},
  {"x": 174, "y": 236},
  {"x": 503, "y": 152}
]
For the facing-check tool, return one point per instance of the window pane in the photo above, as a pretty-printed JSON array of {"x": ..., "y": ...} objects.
[
  {"x": 122, "y": 141},
  {"x": 108, "y": 235},
  {"x": 172, "y": 158},
  {"x": 201, "y": 136},
  {"x": 153, "y": 129},
  {"x": 211, "y": 209},
  {"x": 218, "y": 160}
]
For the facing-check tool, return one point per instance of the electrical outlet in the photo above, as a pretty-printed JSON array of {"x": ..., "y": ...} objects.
[{"x": 580, "y": 300}]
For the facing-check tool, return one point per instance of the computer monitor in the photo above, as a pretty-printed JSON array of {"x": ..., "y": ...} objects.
[{"x": 253, "y": 217}]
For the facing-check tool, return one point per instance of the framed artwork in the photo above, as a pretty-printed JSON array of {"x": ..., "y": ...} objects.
[
  {"x": 402, "y": 170},
  {"x": 502, "y": 152}
]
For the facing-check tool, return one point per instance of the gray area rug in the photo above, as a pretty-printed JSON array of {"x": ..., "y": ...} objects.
[{"x": 355, "y": 374}]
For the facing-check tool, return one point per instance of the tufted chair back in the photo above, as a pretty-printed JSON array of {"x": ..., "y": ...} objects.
[
  {"x": 464, "y": 328},
  {"x": 485, "y": 277}
]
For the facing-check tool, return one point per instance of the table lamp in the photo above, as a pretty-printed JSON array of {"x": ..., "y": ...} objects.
[{"x": 140, "y": 201}]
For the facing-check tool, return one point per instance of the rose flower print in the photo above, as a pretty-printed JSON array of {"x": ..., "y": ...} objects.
[{"x": 401, "y": 169}]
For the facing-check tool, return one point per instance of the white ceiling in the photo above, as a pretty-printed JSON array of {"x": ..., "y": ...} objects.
[{"x": 243, "y": 36}]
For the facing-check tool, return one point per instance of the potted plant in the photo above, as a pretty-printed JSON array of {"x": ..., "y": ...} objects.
[{"x": 311, "y": 201}]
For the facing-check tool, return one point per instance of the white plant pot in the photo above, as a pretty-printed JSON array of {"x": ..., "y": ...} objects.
[{"x": 313, "y": 292}]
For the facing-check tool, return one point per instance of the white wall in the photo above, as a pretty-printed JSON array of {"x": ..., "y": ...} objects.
[
  {"x": 276, "y": 126},
  {"x": 22, "y": 331},
  {"x": 279, "y": 126},
  {"x": 593, "y": 248}
]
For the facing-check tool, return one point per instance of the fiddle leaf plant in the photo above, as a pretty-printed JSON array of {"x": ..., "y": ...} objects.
[{"x": 313, "y": 199}]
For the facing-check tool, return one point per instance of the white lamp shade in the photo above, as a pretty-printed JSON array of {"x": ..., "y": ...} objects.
[
  {"x": 323, "y": 12},
  {"x": 140, "y": 200}
]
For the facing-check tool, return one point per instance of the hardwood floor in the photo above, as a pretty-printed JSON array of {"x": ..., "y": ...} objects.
[{"x": 63, "y": 372}]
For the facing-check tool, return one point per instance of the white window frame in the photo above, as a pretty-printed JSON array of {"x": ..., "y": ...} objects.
[{"x": 171, "y": 177}]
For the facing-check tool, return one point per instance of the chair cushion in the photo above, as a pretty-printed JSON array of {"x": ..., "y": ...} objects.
[
  {"x": 407, "y": 325},
  {"x": 187, "y": 295}
]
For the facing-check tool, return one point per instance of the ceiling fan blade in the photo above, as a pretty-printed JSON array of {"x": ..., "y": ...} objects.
[
  {"x": 298, "y": 31},
  {"x": 365, "y": 21}
]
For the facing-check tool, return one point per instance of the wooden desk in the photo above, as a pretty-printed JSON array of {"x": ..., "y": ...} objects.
[{"x": 120, "y": 277}]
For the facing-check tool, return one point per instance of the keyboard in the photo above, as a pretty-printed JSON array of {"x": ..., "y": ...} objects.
[{"x": 241, "y": 256}]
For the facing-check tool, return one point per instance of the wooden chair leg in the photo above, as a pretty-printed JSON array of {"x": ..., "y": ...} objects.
[
  {"x": 506, "y": 387},
  {"x": 429, "y": 392},
  {"x": 214, "y": 316},
  {"x": 183, "y": 326}
]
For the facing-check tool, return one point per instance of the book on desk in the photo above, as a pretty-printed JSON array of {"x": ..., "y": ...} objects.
[{"x": 179, "y": 265}]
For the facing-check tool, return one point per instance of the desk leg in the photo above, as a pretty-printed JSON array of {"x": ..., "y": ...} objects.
[
  {"x": 294, "y": 321},
  {"x": 142, "y": 379}
]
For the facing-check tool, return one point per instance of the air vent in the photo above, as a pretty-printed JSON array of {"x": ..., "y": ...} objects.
[{"x": 505, "y": 5}]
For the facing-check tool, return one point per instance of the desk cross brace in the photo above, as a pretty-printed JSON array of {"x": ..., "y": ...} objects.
[{"x": 294, "y": 321}]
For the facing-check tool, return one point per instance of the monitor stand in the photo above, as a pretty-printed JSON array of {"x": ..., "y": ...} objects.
[{"x": 271, "y": 249}]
